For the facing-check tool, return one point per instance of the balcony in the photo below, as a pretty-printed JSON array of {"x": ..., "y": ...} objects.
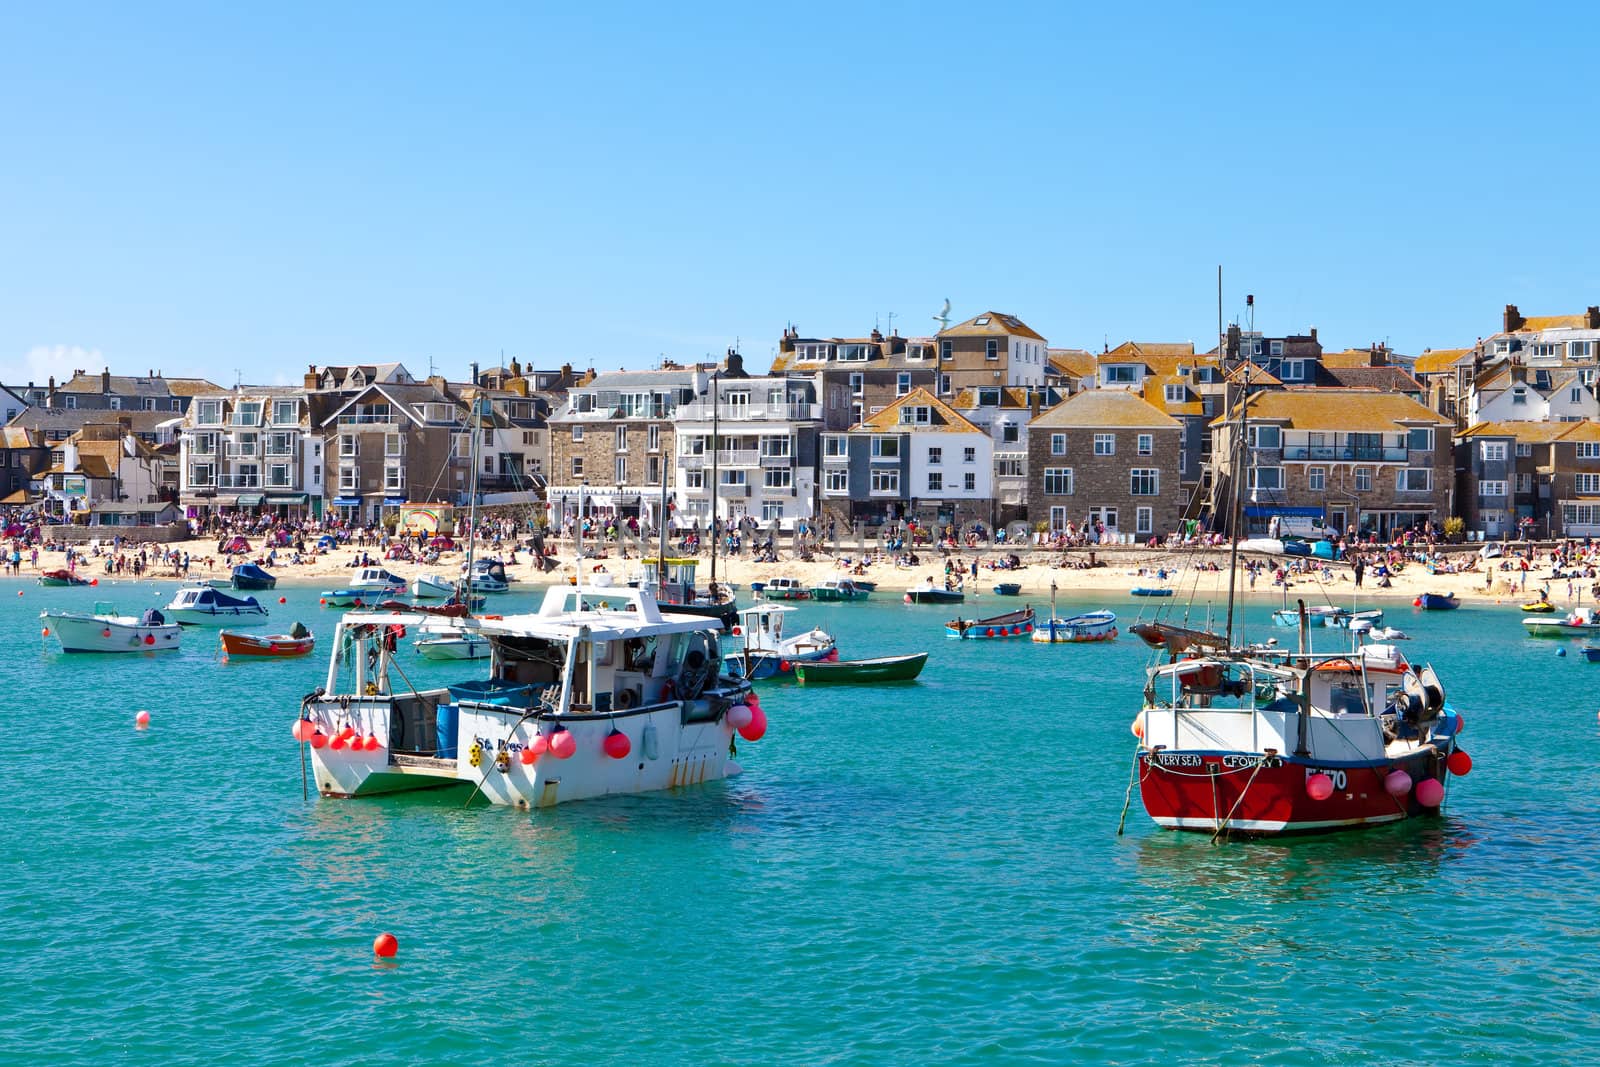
[
  {"x": 1345, "y": 454},
  {"x": 701, "y": 411},
  {"x": 776, "y": 461},
  {"x": 238, "y": 481}
]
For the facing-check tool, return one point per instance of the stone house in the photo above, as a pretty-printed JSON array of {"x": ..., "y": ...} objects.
[
  {"x": 916, "y": 459},
  {"x": 389, "y": 444},
  {"x": 1518, "y": 473},
  {"x": 1106, "y": 457}
]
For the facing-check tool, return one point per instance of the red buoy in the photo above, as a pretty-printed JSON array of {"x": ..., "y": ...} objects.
[
  {"x": 141, "y": 721},
  {"x": 1460, "y": 763},
  {"x": 616, "y": 744},
  {"x": 563, "y": 744},
  {"x": 303, "y": 729},
  {"x": 283, "y": 600},
  {"x": 149, "y": 639},
  {"x": 385, "y": 946},
  {"x": 318, "y": 739},
  {"x": 756, "y": 727}
]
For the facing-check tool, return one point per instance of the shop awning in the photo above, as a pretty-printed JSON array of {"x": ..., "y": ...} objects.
[
  {"x": 251, "y": 500},
  {"x": 394, "y": 500},
  {"x": 1258, "y": 510},
  {"x": 347, "y": 502},
  {"x": 287, "y": 498}
]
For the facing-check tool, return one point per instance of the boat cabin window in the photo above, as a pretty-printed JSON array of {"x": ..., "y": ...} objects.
[{"x": 1347, "y": 698}]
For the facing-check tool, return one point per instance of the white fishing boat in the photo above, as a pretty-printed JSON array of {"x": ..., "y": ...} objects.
[
  {"x": 487, "y": 576},
  {"x": 432, "y": 587},
  {"x": 436, "y": 641},
  {"x": 1579, "y": 622},
  {"x": 370, "y": 585},
  {"x": 766, "y": 651},
  {"x": 577, "y": 702},
  {"x": 208, "y": 606},
  {"x": 1075, "y": 629},
  {"x": 103, "y": 630}
]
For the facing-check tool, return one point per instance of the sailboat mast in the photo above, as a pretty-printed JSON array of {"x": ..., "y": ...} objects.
[
  {"x": 661, "y": 553},
  {"x": 1237, "y": 510}
]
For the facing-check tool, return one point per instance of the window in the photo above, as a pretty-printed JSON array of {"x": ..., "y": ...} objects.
[
  {"x": 577, "y": 466},
  {"x": 247, "y": 413},
  {"x": 1266, "y": 477},
  {"x": 944, "y": 350},
  {"x": 1105, "y": 444},
  {"x": 1414, "y": 480},
  {"x": 886, "y": 481},
  {"x": 858, "y": 382},
  {"x": 1316, "y": 479},
  {"x": 394, "y": 444},
  {"x": 1580, "y": 514},
  {"x": 836, "y": 480},
  {"x": 969, "y": 455},
  {"x": 349, "y": 445},
  {"x": 935, "y": 456},
  {"x": 577, "y": 433},
  {"x": 394, "y": 477},
  {"x": 1008, "y": 466},
  {"x": 1144, "y": 521},
  {"x": 1270, "y": 437},
  {"x": 1491, "y": 488},
  {"x": 1058, "y": 444},
  {"x": 988, "y": 398},
  {"x": 694, "y": 479},
  {"x": 917, "y": 415},
  {"x": 1519, "y": 395},
  {"x": 1589, "y": 449},
  {"x": 1580, "y": 349},
  {"x": 1587, "y": 484},
  {"x": 779, "y": 477},
  {"x": 1119, "y": 374},
  {"x": 775, "y": 447},
  {"x": 621, "y": 469},
  {"x": 1574, "y": 395},
  {"x": 116, "y": 403},
  {"x": 1058, "y": 481},
  {"x": 1008, "y": 433},
  {"x": 277, "y": 475},
  {"x": 855, "y": 353},
  {"x": 202, "y": 474},
  {"x": 205, "y": 444},
  {"x": 1419, "y": 439},
  {"x": 732, "y": 476},
  {"x": 280, "y": 444},
  {"x": 935, "y": 482},
  {"x": 285, "y": 412},
  {"x": 771, "y": 511},
  {"x": 917, "y": 353},
  {"x": 1294, "y": 370},
  {"x": 1144, "y": 481},
  {"x": 1524, "y": 483},
  {"x": 886, "y": 448},
  {"x": 1147, "y": 444},
  {"x": 208, "y": 412},
  {"x": 1495, "y": 451},
  {"x": 1176, "y": 394},
  {"x": 944, "y": 385},
  {"x": 1275, "y": 349},
  {"x": 652, "y": 439},
  {"x": 833, "y": 446},
  {"x": 902, "y": 383},
  {"x": 622, "y": 438},
  {"x": 991, "y": 349},
  {"x": 1363, "y": 479},
  {"x": 349, "y": 478}
]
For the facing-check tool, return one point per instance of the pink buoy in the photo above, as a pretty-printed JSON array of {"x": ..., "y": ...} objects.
[
  {"x": 563, "y": 744},
  {"x": 1319, "y": 787},
  {"x": 616, "y": 744},
  {"x": 756, "y": 728},
  {"x": 1397, "y": 783},
  {"x": 739, "y": 716},
  {"x": 141, "y": 721},
  {"x": 1430, "y": 792},
  {"x": 1460, "y": 763},
  {"x": 303, "y": 729},
  {"x": 538, "y": 746}
]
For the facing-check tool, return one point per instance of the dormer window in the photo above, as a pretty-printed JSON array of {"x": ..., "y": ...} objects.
[
  {"x": 981, "y": 320},
  {"x": 916, "y": 415},
  {"x": 988, "y": 398},
  {"x": 1519, "y": 395},
  {"x": 1176, "y": 394},
  {"x": 1119, "y": 374}
]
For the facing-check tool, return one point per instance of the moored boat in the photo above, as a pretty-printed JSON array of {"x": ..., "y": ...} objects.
[
  {"x": 928, "y": 593},
  {"x": 208, "y": 606},
  {"x": 576, "y": 703},
  {"x": 1089, "y": 626},
  {"x": 1437, "y": 602},
  {"x": 1579, "y": 622},
  {"x": 62, "y": 576},
  {"x": 1011, "y": 624},
  {"x": 765, "y": 651},
  {"x": 437, "y": 641},
  {"x": 432, "y": 587},
  {"x": 1151, "y": 590},
  {"x": 1008, "y": 589},
  {"x": 297, "y": 642},
  {"x": 1591, "y": 653},
  {"x": 861, "y": 671},
  {"x": 785, "y": 589},
  {"x": 250, "y": 576},
  {"x": 837, "y": 588},
  {"x": 1259, "y": 743},
  {"x": 104, "y": 630}
]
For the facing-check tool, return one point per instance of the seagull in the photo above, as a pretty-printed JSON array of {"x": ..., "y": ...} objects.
[{"x": 943, "y": 318}]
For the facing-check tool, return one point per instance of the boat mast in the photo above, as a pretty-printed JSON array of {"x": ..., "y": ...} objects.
[
  {"x": 479, "y": 405},
  {"x": 1237, "y": 509},
  {"x": 715, "y": 407},
  {"x": 661, "y": 554}
]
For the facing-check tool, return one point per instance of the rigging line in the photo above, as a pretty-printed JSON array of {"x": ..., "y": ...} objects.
[
  {"x": 1260, "y": 763},
  {"x": 1133, "y": 778}
]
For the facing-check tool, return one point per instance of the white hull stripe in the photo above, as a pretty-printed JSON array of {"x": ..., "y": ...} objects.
[{"x": 1270, "y": 825}]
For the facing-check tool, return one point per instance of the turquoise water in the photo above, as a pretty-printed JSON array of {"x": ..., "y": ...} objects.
[{"x": 913, "y": 874}]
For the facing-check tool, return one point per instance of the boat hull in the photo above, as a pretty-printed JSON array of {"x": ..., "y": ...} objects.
[
  {"x": 218, "y": 617},
  {"x": 1099, "y": 626},
  {"x": 280, "y": 646},
  {"x": 429, "y": 587},
  {"x": 1556, "y": 628},
  {"x": 861, "y": 672},
  {"x": 934, "y": 596},
  {"x": 665, "y": 752},
  {"x": 1224, "y": 792},
  {"x": 453, "y": 648},
  {"x": 1435, "y": 602},
  {"x": 88, "y": 633},
  {"x": 1012, "y": 624}
]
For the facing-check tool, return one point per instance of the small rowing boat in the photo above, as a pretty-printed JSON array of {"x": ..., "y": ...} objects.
[
  {"x": 297, "y": 642},
  {"x": 861, "y": 671},
  {"x": 1011, "y": 624}
]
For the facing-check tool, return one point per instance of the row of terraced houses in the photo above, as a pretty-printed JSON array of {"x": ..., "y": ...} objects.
[{"x": 982, "y": 422}]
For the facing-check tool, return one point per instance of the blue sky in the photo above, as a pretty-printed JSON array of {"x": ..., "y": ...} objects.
[{"x": 244, "y": 192}]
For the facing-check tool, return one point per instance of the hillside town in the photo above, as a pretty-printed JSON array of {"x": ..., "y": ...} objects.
[{"x": 983, "y": 425}]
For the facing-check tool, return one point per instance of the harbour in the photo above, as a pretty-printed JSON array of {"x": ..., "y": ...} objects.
[{"x": 933, "y": 864}]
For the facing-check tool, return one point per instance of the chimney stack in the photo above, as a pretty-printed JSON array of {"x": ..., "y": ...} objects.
[
  {"x": 311, "y": 381},
  {"x": 1513, "y": 319},
  {"x": 1313, "y": 333},
  {"x": 474, "y": 372},
  {"x": 105, "y": 381},
  {"x": 1033, "y": 404},
  {"x": 1591, "y": 318}
]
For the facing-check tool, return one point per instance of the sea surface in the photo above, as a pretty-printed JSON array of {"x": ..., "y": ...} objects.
[{"x": 925, "y": 873}]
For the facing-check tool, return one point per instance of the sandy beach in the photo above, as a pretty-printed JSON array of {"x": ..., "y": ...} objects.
[{"x": 1188, "y": 572}]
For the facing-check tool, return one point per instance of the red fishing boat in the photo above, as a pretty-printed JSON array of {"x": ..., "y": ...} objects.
[{"x": 297, "y": 642}]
